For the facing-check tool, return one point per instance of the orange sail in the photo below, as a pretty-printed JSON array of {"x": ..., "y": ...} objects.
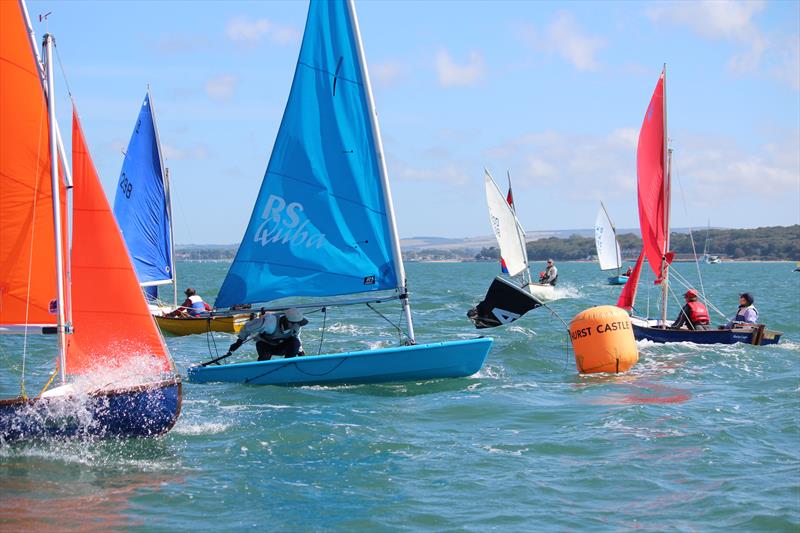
[
  {"x": 653, "y": 194},
  {"x": 27, "y": 249},
  {"x": 113, "y": 326}
]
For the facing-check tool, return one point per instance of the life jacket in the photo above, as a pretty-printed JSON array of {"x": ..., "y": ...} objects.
[
  {"x": 740, "y": 313},
  {"x": 198, "y": 305},
  {"x": 547, "y": 274},
  {"x": 698, "y": 314}
]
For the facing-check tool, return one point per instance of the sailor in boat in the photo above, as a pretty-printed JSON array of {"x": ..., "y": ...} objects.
[
  {"x": 628, "y": 272},
  {"x": 550, "y": 274},
  {"x": 693, "y": 315},
  {"x": 746, "y": 314},
  {"x": 192, "y": 306},
  {"x": 274, "y": 334}
]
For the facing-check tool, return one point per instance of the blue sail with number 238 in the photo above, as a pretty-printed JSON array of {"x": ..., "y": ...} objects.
[
  {"x": 319, "y": 226},
  {"x": 140, "y": 204}
]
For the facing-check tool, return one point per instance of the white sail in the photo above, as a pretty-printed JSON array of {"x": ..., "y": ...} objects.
[
  {"x": 605, "y": 238},
  {"x": 509, "y": 233}
]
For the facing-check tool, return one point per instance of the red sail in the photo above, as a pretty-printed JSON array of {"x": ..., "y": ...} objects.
[
  {"x": 653, "y": 199},
  {"x": 628, "y": 295},
  {"x": 27, "y": 250},
  {"x": 113, "y": 326}
]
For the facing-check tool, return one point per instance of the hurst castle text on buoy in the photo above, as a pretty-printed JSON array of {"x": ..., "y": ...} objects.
[{"x": 602, "y": 339}]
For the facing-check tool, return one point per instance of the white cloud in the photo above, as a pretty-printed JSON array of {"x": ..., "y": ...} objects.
[
  {"x": 252, "y": 31},
  {"x": 173, "y": 153},
  {"x": 727, "y": 20},
  {"x": 452, "y": 74},
  {"x": 443, "y": 173},
  {"x": 583, "y": 166},
  {"x": 564, "y": 37},
  {"x": 221, "y": 87},
  {"x": 388, "y": 73}
]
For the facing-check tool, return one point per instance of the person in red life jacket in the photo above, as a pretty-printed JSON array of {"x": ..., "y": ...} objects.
[
  {"x": 628, "y": 272},
  {"x": 693, "y": 315},
  {"x": 550, "y": 274},
  {"x": 192, "y": 306}
]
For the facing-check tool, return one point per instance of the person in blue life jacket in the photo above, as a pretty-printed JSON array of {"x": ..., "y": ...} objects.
[
  {"x": 275, "y": 334},
  {"x": 550, "y": 274},
  {"x": 746, "y": 314},
  {"x": 693, "y": 315},
  {"x": 192, "y": 306}
]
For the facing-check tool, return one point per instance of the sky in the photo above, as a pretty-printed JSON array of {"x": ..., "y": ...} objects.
[{"x": 553, "y": 92}]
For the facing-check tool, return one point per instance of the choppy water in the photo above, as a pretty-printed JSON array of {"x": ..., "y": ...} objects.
[{"x": 692, "y": 438}]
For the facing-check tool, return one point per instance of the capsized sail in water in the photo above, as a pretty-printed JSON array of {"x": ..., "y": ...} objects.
[
  {"x": 116, "y": 376},
  {"x": 507, "y": 300},
  {"x": 653, "y": 165},
  {"x": 323, "y": 224}
]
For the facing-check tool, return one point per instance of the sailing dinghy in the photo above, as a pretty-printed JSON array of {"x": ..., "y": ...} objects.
[
  {"x": 605, "y": 239},
  {"x": 324, "y": 226},
  {"x": 116, "y": 376},
  {"x": 511, "y": 240},
  {"x": 143, "y": 209},
  {"x": 653, "y": 165}
]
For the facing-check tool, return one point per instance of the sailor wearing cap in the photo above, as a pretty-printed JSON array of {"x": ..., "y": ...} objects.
[
  {"x": 693, "y": 315},
  {"x": 275, "y": 334}
]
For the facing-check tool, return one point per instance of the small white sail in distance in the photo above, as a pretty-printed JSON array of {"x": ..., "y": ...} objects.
[
  {"x": 508, "y": 231},
  {"x": 605, "y": 238}
]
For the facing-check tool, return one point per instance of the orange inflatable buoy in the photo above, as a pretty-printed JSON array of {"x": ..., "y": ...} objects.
[{"x": 602, "y": 339}]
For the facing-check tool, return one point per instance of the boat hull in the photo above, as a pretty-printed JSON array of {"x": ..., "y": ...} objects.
[
  {"x": 403, "y": 363},
  {"x": 617, "y": 280},
  {"x": 541, "y": 291},
  {"x": 180, "y": 326},
  {"x": 142, "y": 411},
  {"x": 757, "y": 336}
]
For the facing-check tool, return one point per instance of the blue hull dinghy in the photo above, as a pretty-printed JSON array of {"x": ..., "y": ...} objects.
[
  {"x": 403, "y": 363},
  {"x": 323, "y": 225},
  {"x": 618, "y": 280},
  {"x": 142, "y": 411}
]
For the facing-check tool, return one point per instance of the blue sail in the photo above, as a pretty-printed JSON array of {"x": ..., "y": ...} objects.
[
  {"x": 140, "y": 204},
  {"x": 319, "y": 226}
]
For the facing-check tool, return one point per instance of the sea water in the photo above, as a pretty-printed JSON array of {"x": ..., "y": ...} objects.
[{"x": 692, "y": 438}]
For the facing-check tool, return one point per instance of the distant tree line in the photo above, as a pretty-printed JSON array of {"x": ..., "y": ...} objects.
[
  {"x": 205, "y": 254},
  {"x": 775, "y": 243}
]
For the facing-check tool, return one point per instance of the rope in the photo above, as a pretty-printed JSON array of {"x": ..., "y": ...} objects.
[
  {"x": 322, "y": 334},
  {"x": 395, "y": 326},
  {"x": 49, "y": 382},
  {"x": 691, "y": 239},
  {"x": 30, "y": 262},
  {"x": 63, "y": 71}
]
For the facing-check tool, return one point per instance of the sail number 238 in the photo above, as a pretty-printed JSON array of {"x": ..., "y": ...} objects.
[{"x": 126, "y": 186}]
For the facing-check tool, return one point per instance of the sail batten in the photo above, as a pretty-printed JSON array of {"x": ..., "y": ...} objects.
[{"x": 321, "y": 224}]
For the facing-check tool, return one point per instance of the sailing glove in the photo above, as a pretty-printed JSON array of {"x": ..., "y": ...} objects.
[{"x": 235, "y": 345}]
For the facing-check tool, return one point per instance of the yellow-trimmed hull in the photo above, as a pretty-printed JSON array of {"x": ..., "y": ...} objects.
[{"x": 193, "y": 326}]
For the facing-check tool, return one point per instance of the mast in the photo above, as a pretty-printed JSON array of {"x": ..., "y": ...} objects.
[
  {"x": 387, "y": 195},
  {"x": 65, "y": 165},
  {"x": 58, "y": 230},
  {"x": 167, "y": 199},
  {"x": 666, "y": 193},
  {"x": 526, "y": 274}
]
